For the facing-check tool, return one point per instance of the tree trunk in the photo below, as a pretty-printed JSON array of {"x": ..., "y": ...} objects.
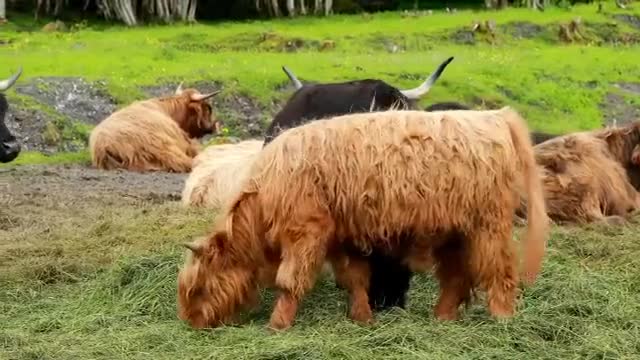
[
  {"x": 303, "y": 8},
  {"x": 291, "y": 7},
  {"x": 276, "y": 8},
  {"x": 328, "y": 7},
  {"x": 3, "y": 10}
]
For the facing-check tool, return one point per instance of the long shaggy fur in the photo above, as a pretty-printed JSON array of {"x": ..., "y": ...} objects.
[
  {"x": 357, "y": 182},
  {"x": 152, "y": 135},
  {"x": 217, "y": 172},
  {"x": 586, "y": 175}
]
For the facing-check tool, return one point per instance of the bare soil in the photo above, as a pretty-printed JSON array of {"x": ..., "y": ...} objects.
[
  {"x": 617, "y": 110},
  {"x": 73, "y": 184}
]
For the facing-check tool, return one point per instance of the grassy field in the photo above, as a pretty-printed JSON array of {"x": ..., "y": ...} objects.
[
  {"x": 558, "y": 87},
  {"x": 90, "y": 274}
]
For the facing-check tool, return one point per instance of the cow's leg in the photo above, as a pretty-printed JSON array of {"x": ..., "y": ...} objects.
[
  {"x": 193, "y": 149},
  {"x": 176, "y": 161},
  {"x": 493, "y": 264},
  {"x": 452, "y": 271},
  {"x": 353, "y": 274},
  {"x": 390, "y": 281},
  {"x": 303, "y": 257}
]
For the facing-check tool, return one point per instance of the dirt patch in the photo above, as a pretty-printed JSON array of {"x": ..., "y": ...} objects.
[
  {"x": 463, "y": 36},
  {"x": 522, "y": 29},
  {"x": 72, "y": 97},
  {"x": 71, "y": 183},
  {"x": 630, "y": 87},
  {"x": 48, "y": 112},
  {"x": 617, "y": 111},
  {"x": 29, "y": 125},
  {"x": 633, "y": 20},
  {"x": 243, "y": 116}
]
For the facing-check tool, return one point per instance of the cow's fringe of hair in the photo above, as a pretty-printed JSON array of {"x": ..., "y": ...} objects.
[
  {"x": 621, "y": 141},
  {"x": 152, "y": 134},
  {"x": 217, "y": 173}
]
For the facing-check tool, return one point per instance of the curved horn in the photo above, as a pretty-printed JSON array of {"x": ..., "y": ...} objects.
[
  {"x": 179, "y": 88},
  {"x": 417, "y": 93},
  {"x": 292, "y": 77},
  {"x": 200, "y": 97},
  {"x": 6, "y": 84},
  {"x": 196, "y": 249}
]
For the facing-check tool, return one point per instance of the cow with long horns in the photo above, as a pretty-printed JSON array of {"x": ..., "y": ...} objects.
[
  {"x": 322, "y": 100},
  {"x": 154, "y": 135},
  {"x": 9, "y": 145}
]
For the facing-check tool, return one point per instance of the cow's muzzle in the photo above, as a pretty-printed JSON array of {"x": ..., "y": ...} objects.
[{"x": 9, "y": 151}]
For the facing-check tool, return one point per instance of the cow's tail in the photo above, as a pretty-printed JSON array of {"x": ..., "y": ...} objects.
[{"x": 538, "y": 221}]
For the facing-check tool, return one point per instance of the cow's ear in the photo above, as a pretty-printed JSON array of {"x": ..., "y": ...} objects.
[{"x": 219, "y": 241}]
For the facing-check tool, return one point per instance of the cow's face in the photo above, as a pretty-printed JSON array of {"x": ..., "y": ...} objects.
[
  {"x": 201, "y": 114},
  {"x": 212, "y": 287},
  {"x": 9, "y": 146},
  {"x": 197, "y": 117},
  {"x": 623, "y": 142}
]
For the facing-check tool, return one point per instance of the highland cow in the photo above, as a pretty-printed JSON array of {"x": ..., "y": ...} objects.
[
  {"x": 353, "y": 184},
  {"x": 319, "y": 101},
  {"x": 154, "y": 135},
  {"x": 9, "y": 145},
  {"x": 217, "y": 173},
  {"x": 587, "y": 176}
]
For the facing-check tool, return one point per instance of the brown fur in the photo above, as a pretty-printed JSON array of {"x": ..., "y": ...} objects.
[
  {"x": 154, "y": 134},
  {"x": 586, "y": 175},
  {"x": 357, "y": 181},
  {"x": 218, "y": 172}
]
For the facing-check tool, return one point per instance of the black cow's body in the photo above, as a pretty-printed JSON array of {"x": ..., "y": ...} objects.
[
  {"x": 318, "y": 101},
  {"x": 325, "y": 100},
  {"x": 390, "y": 279},
  {"x": 9, "y": 146}
]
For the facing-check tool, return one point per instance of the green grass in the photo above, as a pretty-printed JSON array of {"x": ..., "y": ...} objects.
[
  {"x": 557, "y": 87},
  {"x": 94, "y": 276},
  {"x": 38, "y": 158},
  {"x": 106, "y": 288}
]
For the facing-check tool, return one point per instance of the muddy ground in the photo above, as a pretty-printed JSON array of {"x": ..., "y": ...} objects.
[{"x": 68, "y": 182}]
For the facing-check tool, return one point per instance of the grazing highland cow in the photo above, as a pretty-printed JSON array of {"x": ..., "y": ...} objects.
[
  {"x": 154, "y": 135},
  {"x": 9, "y": 145},
  {"x": 218, "y": 172},
  {"x": 584, "y": 177},
  {"x": 353, "y": 184}
]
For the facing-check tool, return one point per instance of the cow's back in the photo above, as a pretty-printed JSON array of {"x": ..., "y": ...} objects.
[
  {"x": 392, "y": 165},
  {"x": 328, "y": 100}
]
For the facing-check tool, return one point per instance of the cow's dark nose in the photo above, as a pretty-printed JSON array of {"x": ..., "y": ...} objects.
[{"x": 9, "y": 151}]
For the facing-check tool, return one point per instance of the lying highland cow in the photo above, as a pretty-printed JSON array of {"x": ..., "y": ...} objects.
[
  {"x": 586, "y": 176},
  {"x": 154, "y": 135},
  {"x": 217, "y": 173},
  {"x": 353, "y": 183}
]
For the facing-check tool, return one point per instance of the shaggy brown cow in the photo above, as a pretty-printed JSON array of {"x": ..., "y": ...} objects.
[
  {"x": 584, "y": 177},
  {"x": 155, "y": 134},
  {"x": 354, "y": 183},
  {"x": 218, "y": 172}
]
